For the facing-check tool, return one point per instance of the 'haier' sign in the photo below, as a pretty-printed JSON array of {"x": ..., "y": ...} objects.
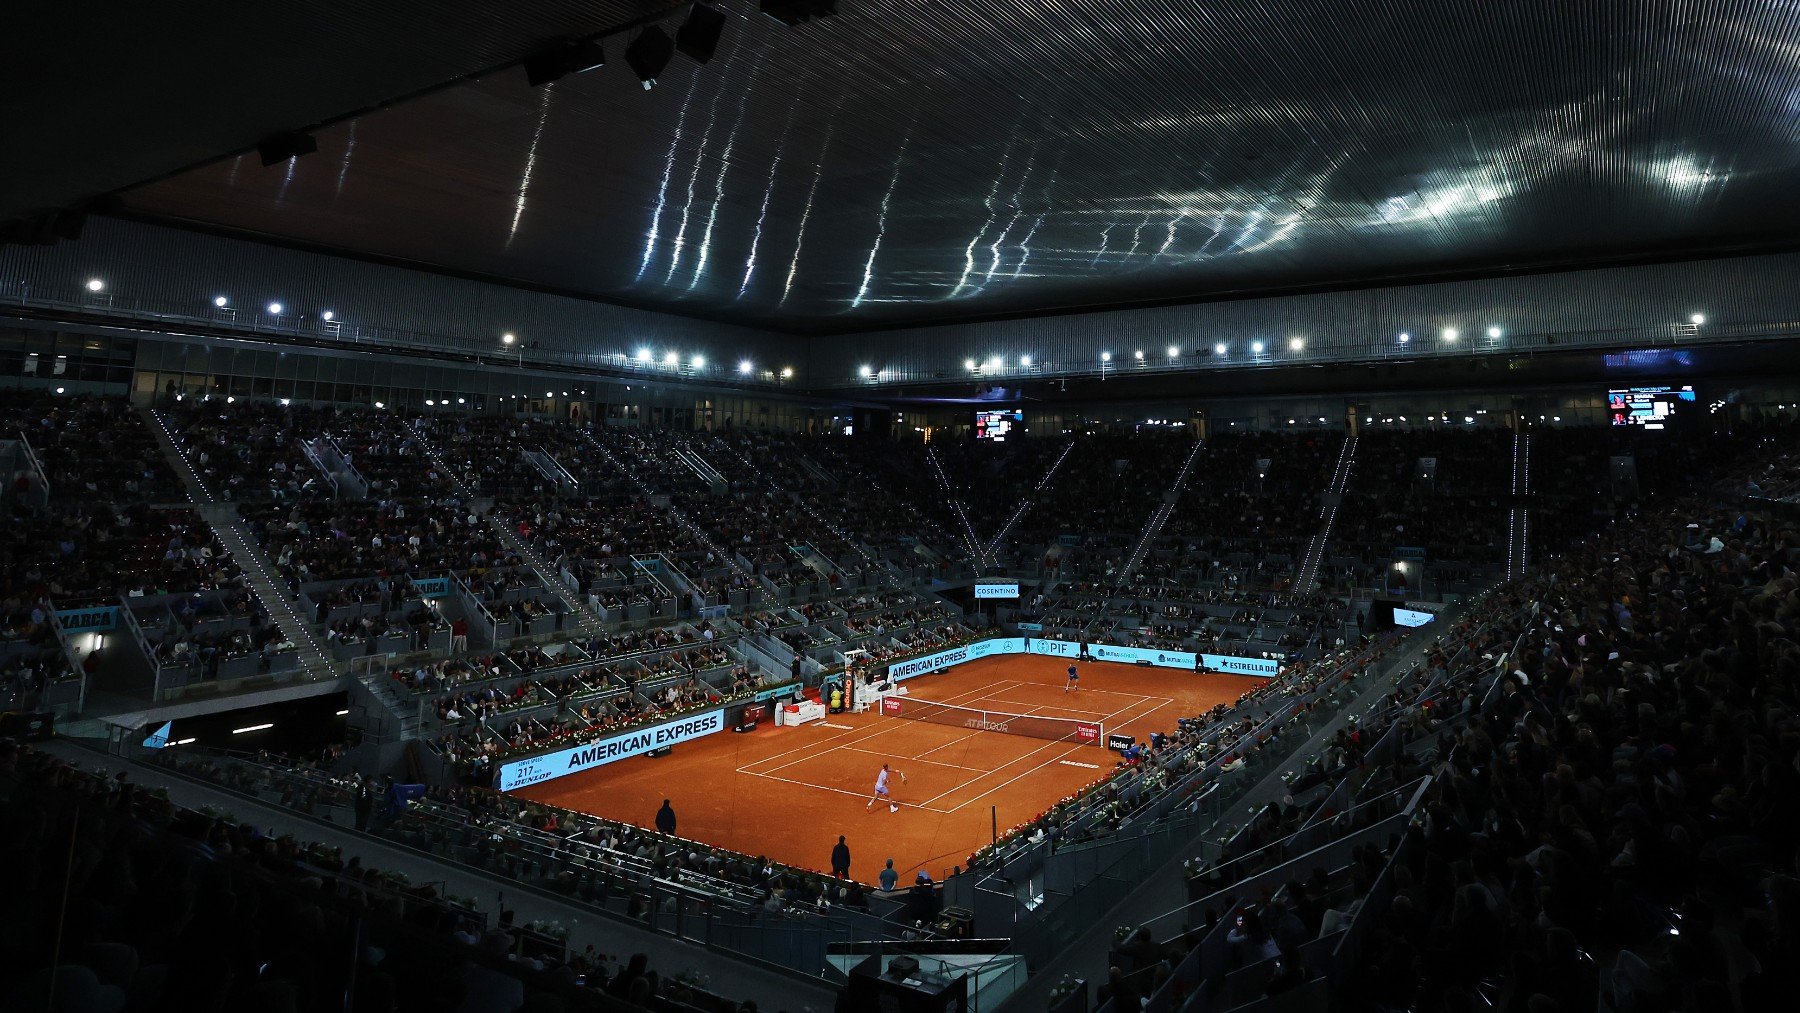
[{"x": 538, "y": 769}]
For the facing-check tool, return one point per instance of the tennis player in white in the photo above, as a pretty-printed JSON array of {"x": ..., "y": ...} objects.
[{"x": 881, "y": 790}]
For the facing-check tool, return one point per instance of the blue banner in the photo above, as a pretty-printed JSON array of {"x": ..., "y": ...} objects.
[
  {"x": 1068, "y": 541},
  {"x": 1266, "y": 667},
  {"x": 432, "y": 587},
  {"x": 647, "y": 565},
  {"x": 549, "y": 766},
  {"x": 98, "y": 619},
  {"x": 1133, "y": 655},
  {"x": 937, "y": 662},
  {"x": 1033, "y": 627},
  {"x": 160, "y": 738},
  {"x": 929, "y": 663}
]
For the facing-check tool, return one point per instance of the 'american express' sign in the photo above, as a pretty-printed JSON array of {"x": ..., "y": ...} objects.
[
  {"x": 549, "y": 766},
  {"x": 929, "y": 663}
]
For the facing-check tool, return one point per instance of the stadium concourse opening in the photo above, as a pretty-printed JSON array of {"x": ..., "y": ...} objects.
[{"x": 786, "y": 793}]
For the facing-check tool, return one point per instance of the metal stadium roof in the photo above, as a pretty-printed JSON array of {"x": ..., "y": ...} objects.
[{"x": 907, "y": 161}]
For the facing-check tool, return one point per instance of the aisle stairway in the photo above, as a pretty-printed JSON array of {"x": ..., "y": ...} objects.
[
  {"x": 977, "y": 552},
  {"x": 887, "y": 571},
  {"x": 1518, "y": 518},
  {"x": 1025, "y": 502},
  {"x": 1160, "y": 517},
  {"x": 1329, "y": 502},
  {"x": 589, "y": 623},
  {"x": 260, "y": 576},
  {"x": 681, "y": 518}
]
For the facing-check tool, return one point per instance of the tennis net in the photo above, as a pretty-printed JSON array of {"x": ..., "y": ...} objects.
[{"x": 1037, "y": 726}]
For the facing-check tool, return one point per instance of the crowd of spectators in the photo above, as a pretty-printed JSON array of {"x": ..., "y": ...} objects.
[
  {"x": 163, "y": 907},
  {"x": 1629, "y": 790},
  {"x": 92, "y": 449},
  {"x": 252, "y": 449},
  {"x": 348, "y": 539},
  {"x": 1449, "y": 489},
  {"x": 82, "y": 551}
]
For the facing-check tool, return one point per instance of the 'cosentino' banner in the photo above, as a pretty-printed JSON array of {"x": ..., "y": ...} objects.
[{"x": 537, "y": 769}]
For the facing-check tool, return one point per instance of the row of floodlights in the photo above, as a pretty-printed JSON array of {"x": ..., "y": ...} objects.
[
  {"x": 509, "y": 339},
  {"x": 274, "y": 307},
  {"x": 1448, "y": 335}
]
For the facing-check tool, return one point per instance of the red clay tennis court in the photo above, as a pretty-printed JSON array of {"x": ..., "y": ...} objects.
[{"x": 788, "y": 792}]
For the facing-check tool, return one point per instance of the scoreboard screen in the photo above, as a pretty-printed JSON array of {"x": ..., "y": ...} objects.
[
  {"x": 998, "y": 425},
  {"x": 1650, "y": 407}
]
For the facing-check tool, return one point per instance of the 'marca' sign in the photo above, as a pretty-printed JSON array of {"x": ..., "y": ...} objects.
[{"x": 536, "y": 769}]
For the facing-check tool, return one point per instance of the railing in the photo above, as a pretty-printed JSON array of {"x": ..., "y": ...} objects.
[
  {"x": 704, "y": 471},
  {"x": 690, "y": 905},
  {"x": 680, "y": 517},
  {"x": 1160, "y": 517},
  {"x": 1518, "y": 517},
  {"x": 37, "y": 466},
  {"x": 1329, "y": 504},
  {"x": 285, "y": 330},
  {"x": 1376, "y": 348},
  {"x": 1025, "y": 501},
  {"x": 552, "y": 469},
  {"x": 312, "y": 457},
  {"x": 956, "y": 504}
]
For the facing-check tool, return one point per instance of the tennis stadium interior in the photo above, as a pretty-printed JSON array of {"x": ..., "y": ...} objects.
[{"x": 877, "y": 505}]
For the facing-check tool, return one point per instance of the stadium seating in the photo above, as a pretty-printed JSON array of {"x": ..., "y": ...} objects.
[
  {"x": 1492, "y": 832},
  {"x": 172, "y": 908},
  {"x": 253, "y": 449},
  {"x": 1609, "y": 812}
]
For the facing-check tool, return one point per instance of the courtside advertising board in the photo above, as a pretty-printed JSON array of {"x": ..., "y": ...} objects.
[{"x": 549, "y": 766}]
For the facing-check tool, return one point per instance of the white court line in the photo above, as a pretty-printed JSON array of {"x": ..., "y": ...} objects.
[
  {"x": 961, "y": 738},
  {"x": 947, "y": 745},
  {"x": 812, "y": 748},
  {"x": 1083, "y": 712},
  {"x": 986, "y": 773},
  {"x": 926, "y": 806},
  {"x": 845, "y": 791},
  {"x": 1048, "y": 762},
  {"x": 1039, "y": 767},
  {"x": 1087, "y": 691},
  {"x": 911, "y": 759}
]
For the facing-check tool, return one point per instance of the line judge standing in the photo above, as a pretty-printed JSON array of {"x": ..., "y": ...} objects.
[{"x": 840, "y": 859}]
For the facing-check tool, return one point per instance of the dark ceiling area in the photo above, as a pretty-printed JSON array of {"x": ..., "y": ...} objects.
[
  {"x": 100, "y": 98},
  {"x": 907, "y": 161}
]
